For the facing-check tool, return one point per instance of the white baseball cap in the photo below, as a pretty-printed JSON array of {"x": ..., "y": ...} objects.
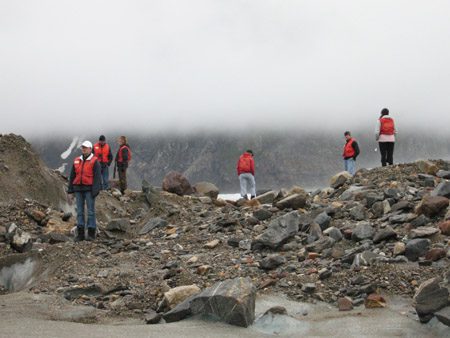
[{"x": 86, "y": 144}]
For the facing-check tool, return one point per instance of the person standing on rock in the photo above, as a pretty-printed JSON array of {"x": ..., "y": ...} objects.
[
  {"x": 246, "y": 173},
  {"x": 385, "y": 132},
  {"x": 123, "y": 158},
  {"x": 102, "y": 151},
  {"x": 85, "y": 182},
  {"x": 351, "y": 152}
]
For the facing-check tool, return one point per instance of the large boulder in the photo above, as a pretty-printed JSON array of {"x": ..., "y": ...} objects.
[
  {"x": 176, "y": 183},
  {"x": 340, "y": 179},
  {"x": 427, "y": 167},
  {"x": 416, "y": 248},
  {"x": 152, "y": 195},
  {"x": 295, "y": 201},
  {"x": 278, "y": 232},
  {"x": 430, "y": 298},
  {"x": 443, "y": 189},
  {"x": 267, "y": 198},
  {"x": 206, "y": 189},
  {"x": 231, "y": 301},
  {"x": 443, "y": 174},
  {"x": 432, "y": 205}
]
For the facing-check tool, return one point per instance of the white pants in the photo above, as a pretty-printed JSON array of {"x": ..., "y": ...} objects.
[{"x": 247, "y": 182}]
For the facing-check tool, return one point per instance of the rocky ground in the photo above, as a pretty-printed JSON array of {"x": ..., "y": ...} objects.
[{"x": 383, "y": 232}]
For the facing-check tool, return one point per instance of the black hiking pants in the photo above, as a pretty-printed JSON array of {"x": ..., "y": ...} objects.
[{"x": 387, "y": 153}]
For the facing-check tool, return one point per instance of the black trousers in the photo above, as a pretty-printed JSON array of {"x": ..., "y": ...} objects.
[{"x": 387, "y": 153}]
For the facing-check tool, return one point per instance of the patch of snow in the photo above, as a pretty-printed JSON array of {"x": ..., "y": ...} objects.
[
  {"x": 62, "y": 168},
  {"x": 73, "y": 144},
  {"x": 230, "y": 197}
]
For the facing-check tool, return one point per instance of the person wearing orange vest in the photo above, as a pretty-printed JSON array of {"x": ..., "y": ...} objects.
[
  {"x": 350, "y": 153},
  {"x": 102, "y": 151},
  {"x": 246, "y": 173},
  {"x": 85, "y": 182},
  {"x": 385, "y": 135},
  {"x": 123, "y": 158}
]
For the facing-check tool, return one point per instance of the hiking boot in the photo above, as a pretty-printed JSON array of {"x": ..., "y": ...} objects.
[
  {"x": 91, "y": 234},
  {"x": 80, "y": 235}
]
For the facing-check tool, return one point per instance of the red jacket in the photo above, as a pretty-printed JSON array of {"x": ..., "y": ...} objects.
[
  {"x": 103, "y": 153},
  {"x": 246, "y": 164},
  {"x": 349, "y": 151},
  {"x": 84, "y": 170},
  {"x": 387, "y": 126}
]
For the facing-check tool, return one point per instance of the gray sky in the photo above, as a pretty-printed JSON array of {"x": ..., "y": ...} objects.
[{"x": 71, "y": 66}]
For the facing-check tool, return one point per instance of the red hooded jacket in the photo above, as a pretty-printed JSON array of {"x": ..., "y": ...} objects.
[{"x": 246, "y": 164}]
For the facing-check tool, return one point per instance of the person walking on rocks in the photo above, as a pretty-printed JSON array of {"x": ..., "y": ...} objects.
[
  {"x": 385, "y": 135},
  {"x": 246, "y": 173},
  {"x": 351, "y": 152},
  {"x": 123, "y": 158},
  {"x": 102, "y": 151},
  {"x": 85, "y": 182}
]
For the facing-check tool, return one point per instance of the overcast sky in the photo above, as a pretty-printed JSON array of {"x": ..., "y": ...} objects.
[{"x": 74, "y": 66}]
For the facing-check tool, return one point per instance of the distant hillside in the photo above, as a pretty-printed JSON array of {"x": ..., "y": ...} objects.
[{"x": 282, "y": 160}]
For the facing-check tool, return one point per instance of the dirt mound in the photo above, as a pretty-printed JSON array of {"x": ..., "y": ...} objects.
[{"x": 24, "y": 175}]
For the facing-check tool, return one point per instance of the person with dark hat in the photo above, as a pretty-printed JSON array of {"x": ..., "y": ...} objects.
[
  {"x": 385, "y": 132},
  {"x": 246, "y": 173},
  {"x": 350, "y": 153},
  {"x": 123, "y": 158},
  {"x": 85, "y": 182},
  {"x": 102, "y": 151}
]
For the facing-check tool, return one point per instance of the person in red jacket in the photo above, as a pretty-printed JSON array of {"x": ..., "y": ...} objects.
[
  {"x": 102, "y": 151},
  {"x": 385, "y": 132},
  {"x": 350, "y": 153},
  {"x": 246, "y": 173},
  {"x": 86, "y": 182},
  {"x": 123, "y": 158}
]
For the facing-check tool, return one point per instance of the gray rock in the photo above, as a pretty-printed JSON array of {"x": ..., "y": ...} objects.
[
  {"x": 402, "y": 205},
  {"x": 267, "y": 198},
  {"x": 278, "y": 232},
  {"x": 152, "y": 195},
  {"x": 321, "y": 245},
  {"x": 231, "y": 301},
  {"x": 262, "y": 214},
  {"x": 351, "y": 192},
  {"x": 443, "y": 189},
  {"x": 324, "y": 273},
  {"x": 423, "y": 232},
  {"x": 90, "y": 290},
  {"x": 334, "y": 233},
  {"x": 416, "y": 248},
  {"x": 54, "y": 237},
  {"x": 444, "y": 315},
  {"x": 308, "y": 287},
  {"x": 295, "y": 201},
  {"x": 364, "y": 258},
  {"x": 340, "y": 179},
  {"x": 358, "y": 213},
  {"x": 403, "y": 218},
  {"x": 420, "y": 221},
  {"x": 206, "y": 189},
  {"x": 152, "y": 317},
  {"x": 430, "y": 298},
  {"x": 323, "y": 220},
  {"x": 119, "y": 224},
  {"x": 315, "y": 231},
  {"x": 363, "y": 231},
  {"x": 272, "y": 262},
  {"x": 381, "y": 208},
  {"x": 384, "y": 234},
  {"x": 373, "y": 197},
  {"x": 152, "y": 224},
  {"x": 21, "y": 241}
]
